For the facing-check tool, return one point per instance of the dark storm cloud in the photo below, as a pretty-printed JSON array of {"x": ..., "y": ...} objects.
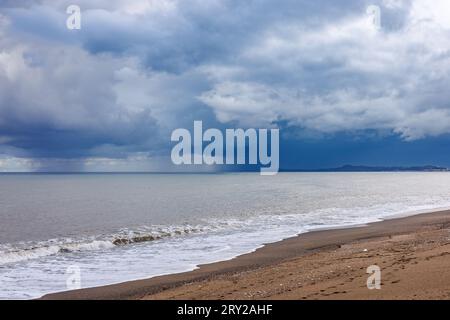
[{"x": 138, "y": 69}]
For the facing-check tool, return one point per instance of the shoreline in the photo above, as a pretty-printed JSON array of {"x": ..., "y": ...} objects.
[{"x": 266, "y": 258}]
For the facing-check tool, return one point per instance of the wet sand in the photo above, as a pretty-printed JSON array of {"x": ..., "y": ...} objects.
[{"x": 413, "y": 254}]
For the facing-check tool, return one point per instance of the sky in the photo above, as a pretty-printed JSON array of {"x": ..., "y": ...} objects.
[{"x": 341, "y": 88}]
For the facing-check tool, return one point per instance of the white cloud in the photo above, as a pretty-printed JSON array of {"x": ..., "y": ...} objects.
[{"x": 393, "y": 4}]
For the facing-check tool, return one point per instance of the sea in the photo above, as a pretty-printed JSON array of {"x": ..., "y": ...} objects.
[{"x": 112, "y": 228}]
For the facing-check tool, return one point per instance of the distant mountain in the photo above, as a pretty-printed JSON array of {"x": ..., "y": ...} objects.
[{"x": 352, "y": 168}]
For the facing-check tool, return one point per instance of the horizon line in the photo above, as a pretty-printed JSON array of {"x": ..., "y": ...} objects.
[{"x": 343, "y": 168}]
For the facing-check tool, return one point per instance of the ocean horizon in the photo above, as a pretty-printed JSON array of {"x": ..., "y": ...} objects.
[{"x": 117, "y": 228}]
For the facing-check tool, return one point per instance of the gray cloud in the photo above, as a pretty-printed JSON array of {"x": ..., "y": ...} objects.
[
  {"x": 138, "y": 69},
  {"x": 343, "y": 76}
]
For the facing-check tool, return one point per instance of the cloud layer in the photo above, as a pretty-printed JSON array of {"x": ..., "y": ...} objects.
[{"x": 138, "y": 69}]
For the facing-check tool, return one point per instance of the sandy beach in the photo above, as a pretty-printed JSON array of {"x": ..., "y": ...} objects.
[{"x": 413, "y": 254}]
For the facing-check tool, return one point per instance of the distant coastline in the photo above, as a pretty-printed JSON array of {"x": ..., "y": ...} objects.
[{"x": 353, "y": 168}]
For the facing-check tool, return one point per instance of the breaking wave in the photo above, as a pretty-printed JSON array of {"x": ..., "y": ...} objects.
[
  {"x": 13, "y": 253},
  {"x": 298, "y": 223}
]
